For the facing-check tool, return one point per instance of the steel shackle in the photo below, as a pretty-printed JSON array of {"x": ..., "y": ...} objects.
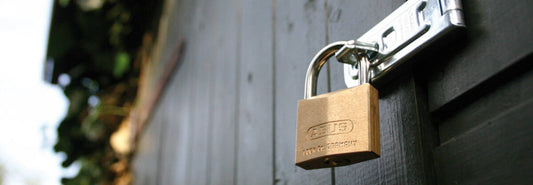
[
  {"x": 322, "y": 57},
  {"x": 316, "y": 64}
]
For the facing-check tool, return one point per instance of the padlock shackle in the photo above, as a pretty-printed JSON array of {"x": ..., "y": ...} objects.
[{"x": 316, "y": 64}]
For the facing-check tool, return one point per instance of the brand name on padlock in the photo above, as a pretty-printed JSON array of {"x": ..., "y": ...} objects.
[{"x": 329, "y": 128}]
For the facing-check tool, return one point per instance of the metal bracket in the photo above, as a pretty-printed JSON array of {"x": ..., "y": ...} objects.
[{"x": 407, "y": 30}]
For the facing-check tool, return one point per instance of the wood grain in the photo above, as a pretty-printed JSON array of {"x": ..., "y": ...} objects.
[
  {"x": 178, "y": 131},
  {"x": 202, "y": 92},
  {"x": 300, "y": 34},
  {"x": 255, "y": 96},
  {"x": 403, "y": 154},
  {"x": 497, "y": 151},
  {"x": 146, "y": 162},
  {"x": 222, "y": 130},
  {"x": 163, "y": 156},
  {"x": 228, "y": 114},
  {"x": 498, "y": 35},
  {"x": 501, "y": 92}
]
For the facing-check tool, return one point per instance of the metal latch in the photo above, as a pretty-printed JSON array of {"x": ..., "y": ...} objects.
[{"x": 411, "y": 27}]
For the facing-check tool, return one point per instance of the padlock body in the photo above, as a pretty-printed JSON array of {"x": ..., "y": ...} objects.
[{"x": 338, "y": 128}]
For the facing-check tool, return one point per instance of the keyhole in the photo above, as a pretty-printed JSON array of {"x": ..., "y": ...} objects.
[{"x": 336, "y": 162}]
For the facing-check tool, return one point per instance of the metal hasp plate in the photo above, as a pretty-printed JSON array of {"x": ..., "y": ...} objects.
[{"x": 407, "y": 30}]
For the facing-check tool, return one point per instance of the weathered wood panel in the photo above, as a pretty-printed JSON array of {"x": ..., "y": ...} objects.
[
  {"x": 202, "y": 91},
  {"x": 500, "y": 93},
  {"x": 178, "y": 131},
  {"x": 177, "y": 92},
  {"x": 299, "y": 35},
  {"x": 480, "y": 93},
  {"x": 487, "y": 141},
  {"x": 404, "y": 155},
  {"x": 255, "y": 98},
  {"x": 222, "y": 127},
  {"x": 180, "y": 93},
  {"x": 497, "y": 151},
  {"x": 173, "y": 157},
  {"x": 229, "y": 114},
  {"x": 499, "y": 34},
  {"x": 146, "y": 163}
]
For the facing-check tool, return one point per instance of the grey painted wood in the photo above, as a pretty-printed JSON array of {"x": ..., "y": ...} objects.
[
  {"x": 200, "y": 105},
  {"x": 175, "y": 153},
  {"x": 502, "y": 92},
  {"x": 169, "y": 165},
  {"x": 404, "y": 121},
  {"x": 299, "y": 35},
  {"x": 498, "y": 35},
  {"x": 404, "y": 156},
  {"x": 255, "y": 95},
  {"x": 176, "y": 98},
  {"x": 481, "y": 98},
  {"x": 179, "y": 13},
  {"x": 429, "y": 137},
  {"x": 146, "y": 163},
  {"x": 228, "y": 116},
  {"x": 162, "y": 166},
  {"x": 222, "y": 130},
  {"x": 180, "y": 91},
  {"x": 183, "y": 119},
  {"x": 497, "y": 151}
]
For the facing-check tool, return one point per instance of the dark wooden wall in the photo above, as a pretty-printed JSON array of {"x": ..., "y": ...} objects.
[{"x": 462, "y": 115}]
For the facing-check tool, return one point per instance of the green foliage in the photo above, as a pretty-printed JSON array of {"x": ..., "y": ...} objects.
[
  {"x": 89, "y": 174},
  {"x": 64, "y": 3},
  {"x": 94, "y": 45},
  {"x": 122, "y": 64}
]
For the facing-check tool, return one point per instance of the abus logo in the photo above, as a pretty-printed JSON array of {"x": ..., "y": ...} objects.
[{"x": 329, "y": 128}]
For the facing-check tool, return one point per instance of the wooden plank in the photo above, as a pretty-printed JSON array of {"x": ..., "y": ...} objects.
[
  {"x": 173, "y": 111},
  {"x": 172, "y": 122},
  {"x": 177, "y": 98},
  {"x": 160, "y": 158},
  {"x": 499, "y": 34},
  {"x": 405, "y": 157},
  {"x": 222, "y": 126},
  {"x": 145, "y": 163},
  {"x": 428, "y": 140},
  {"x": 500, "y": 93},
  {"x": 176, "y": 113},
  {"x": 497, "y": 151},
  {"x": 183, "y": 118},
  {"x": 201, "y": 105},
  {"x": 154, "y": 97},
  {"x": 299, "y": 35},
  {"x": 255, "y": 97}
]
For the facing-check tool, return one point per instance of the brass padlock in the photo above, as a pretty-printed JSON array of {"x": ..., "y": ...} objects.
[{"x": 337, "y": 128}]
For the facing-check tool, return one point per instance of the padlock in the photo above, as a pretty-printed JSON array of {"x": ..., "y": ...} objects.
[{"x": 337, "y": 128}]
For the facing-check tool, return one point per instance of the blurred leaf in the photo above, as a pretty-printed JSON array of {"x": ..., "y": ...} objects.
[
  {"x": 92, "y": 128},
  {"x": 64, "y": 3},
  {"x": 90, "y": 173},
  {"x": 122, "y": 64},
  {"x": 115, "y": 32},
  {"x": 90, "y": 5}
]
